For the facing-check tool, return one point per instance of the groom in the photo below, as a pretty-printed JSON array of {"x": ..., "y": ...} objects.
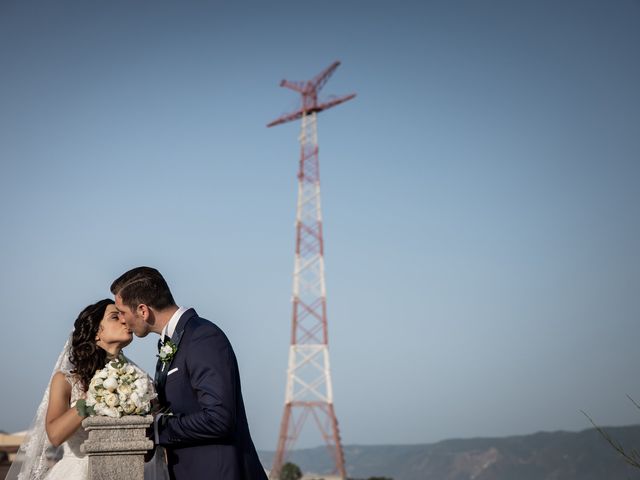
[{"x": 206, "y": 433}]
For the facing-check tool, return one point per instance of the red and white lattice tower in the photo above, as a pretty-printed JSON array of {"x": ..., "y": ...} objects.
[{"x": 309, "y": 391}]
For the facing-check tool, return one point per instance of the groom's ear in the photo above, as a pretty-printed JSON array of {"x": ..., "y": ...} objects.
[{"x": 143, "y": 311}]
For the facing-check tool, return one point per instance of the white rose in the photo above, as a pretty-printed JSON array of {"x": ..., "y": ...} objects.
[
  {"x": 135, "y": 399},
  {"x": 111, "y": 399},
  {"x": 96, "y": 384},
  {"x": 141, "y": 385},
  {"x": 128, "y": 408},
  {"x": 165, "y": 350},
  {"x": 111, "y": 412},
  {"x": 110, "y": 383},
  {"x": 125, "y": 389},
  {"x": 102, "y": 373}
]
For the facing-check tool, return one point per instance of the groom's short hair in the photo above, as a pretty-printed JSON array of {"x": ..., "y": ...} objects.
[{"x": 143, "y": 285}]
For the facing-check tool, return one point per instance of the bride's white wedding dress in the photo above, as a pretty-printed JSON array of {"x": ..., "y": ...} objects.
[
  {"x": 74, "y": 464},
  {"x": 31, "y": 461}
]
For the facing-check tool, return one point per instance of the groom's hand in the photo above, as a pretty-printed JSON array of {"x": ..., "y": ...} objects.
[{"x": 155, "y": 407}]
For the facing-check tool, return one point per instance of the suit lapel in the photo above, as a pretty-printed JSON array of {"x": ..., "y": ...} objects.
[{"x": 161, "y": 373}]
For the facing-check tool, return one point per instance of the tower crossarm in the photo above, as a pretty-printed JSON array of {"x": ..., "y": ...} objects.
[
  {"x": 313, "y": 85},
  {"x": 309, "y": 92},
  {"x": 322, "y": 78},
  {"x": 290, "y": 117}
]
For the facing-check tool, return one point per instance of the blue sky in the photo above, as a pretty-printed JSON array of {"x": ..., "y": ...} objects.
[{"x": 480, "y": 198}]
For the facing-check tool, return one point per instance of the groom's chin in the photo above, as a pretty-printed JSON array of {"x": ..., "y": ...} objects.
[{"x": 140, "y": 333}]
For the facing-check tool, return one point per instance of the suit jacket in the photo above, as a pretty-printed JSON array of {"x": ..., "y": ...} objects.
[{"x": 207, "y": 435}]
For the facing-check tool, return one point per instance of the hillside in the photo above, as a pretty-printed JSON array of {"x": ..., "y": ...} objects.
[{"x": 540, "y": 456}]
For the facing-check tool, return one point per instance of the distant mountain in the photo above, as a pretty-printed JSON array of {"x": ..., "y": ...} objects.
[{"x": 541, "y": 456}]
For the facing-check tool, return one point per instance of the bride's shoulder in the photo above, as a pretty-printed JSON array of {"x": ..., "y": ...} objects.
[
  {"x": 60, "y": 384},
  {"x": 66, "y": 386},
  {"x": 64, "y": 379}
]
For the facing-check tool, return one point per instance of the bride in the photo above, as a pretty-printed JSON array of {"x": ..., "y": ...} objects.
[{"x": 99, "y": 334}]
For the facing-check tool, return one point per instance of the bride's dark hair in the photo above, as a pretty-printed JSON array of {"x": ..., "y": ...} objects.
[{"x": 86, "y": 356}]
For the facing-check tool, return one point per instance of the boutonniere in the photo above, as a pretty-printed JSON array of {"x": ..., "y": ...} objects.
[{"x": 166, "y": 352}]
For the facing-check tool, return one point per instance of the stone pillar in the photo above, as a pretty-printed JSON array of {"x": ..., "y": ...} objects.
[{"x": 116, "y": 446}]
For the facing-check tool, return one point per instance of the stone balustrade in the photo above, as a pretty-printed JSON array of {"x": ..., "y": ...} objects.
[{"x": 117, "y": 446}]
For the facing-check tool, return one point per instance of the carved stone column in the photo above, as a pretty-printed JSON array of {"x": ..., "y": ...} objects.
[{"x": 116, "y": 446}]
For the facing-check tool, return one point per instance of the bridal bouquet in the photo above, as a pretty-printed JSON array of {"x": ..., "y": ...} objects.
[{"x": 120, "y": 388}]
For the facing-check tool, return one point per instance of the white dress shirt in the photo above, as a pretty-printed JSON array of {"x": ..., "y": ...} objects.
[
  {"x": 171, "y": 325},
  {"x": 167, "y": 331}
]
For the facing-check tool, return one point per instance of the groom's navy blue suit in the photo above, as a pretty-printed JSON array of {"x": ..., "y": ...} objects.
[{"x": 207, "y": 435}]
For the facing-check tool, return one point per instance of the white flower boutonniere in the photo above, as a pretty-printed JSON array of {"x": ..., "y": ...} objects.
[{"x": 166, "y": 352}]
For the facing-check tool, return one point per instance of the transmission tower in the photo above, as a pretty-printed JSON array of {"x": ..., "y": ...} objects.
[{"x": 309, "y": 391}]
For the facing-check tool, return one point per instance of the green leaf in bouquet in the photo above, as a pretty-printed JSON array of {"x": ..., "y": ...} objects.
[{"x": 83, "y": 409}]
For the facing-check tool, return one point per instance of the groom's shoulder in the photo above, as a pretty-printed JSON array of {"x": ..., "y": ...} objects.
[{"x": 202, "y": 326}]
